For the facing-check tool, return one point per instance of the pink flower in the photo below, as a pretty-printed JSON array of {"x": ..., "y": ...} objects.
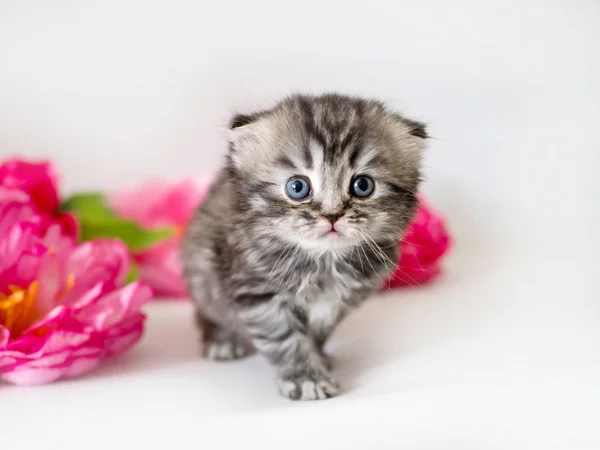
[
  {"x": 156, "y": 204},
  {"x": 63, "y": 306},
  {"x": 425, "y": 242},
  {"x": 40, "y": 182}
]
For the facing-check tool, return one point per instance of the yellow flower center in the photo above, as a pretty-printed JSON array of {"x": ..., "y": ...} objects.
[{"x": 17, "y": 309}]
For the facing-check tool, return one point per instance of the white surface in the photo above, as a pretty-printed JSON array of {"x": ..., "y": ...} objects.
[{"x": 503, "y": 352}]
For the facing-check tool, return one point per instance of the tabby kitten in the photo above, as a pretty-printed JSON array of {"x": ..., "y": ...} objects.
[{"x": 300, "y": 227}]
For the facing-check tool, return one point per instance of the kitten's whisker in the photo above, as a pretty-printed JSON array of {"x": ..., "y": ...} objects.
[
  {"x": 306, "y": 261},
  {"x": 395, "y": 265},
  {"x": 397, "y": 277},
  {"x": 394, "y": 275},
  {"x": 290, "y": 269},
  {"x": 351, "y": 253},
  {"x": 287, "y": 264},
  {"x": 373, "y": 245},
  {"x": 380, "y": 250},
  {"x": 275, "y": 264},
  {"x": 378, "y": 254},
  {"x": 371, "y": 264},
  {"x": 411, "y": 243},
  {"x": 358, "y": 255}
]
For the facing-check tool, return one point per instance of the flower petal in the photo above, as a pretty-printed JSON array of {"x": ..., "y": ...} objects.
[
  {"x": 120, "y": 338},
  {"x": 39, "y": 180},
  {"x": 4, "y": 336},
  {"x": 115, "y": 306},
  {"x": 27, "y": 376},
  {"x": 100, "y": 260},
  {"x": 160, "y": 268}
]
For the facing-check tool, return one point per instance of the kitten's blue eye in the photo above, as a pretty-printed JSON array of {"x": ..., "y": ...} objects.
[
  {"x": 362, "y": 186},
  {"x": 298, "y": 188}
]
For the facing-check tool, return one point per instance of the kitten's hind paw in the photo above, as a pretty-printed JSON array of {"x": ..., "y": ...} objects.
[
  {"x": 226, "y": 350},
  {"x": 317, "y": 386}
]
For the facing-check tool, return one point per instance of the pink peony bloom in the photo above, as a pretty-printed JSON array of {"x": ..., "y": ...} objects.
[
  {"x": 425, "y": 242},
  {"x": 159, "y": 203},
  {"x": 63, "y": 306},
  {"x": 40, "y": 182}
]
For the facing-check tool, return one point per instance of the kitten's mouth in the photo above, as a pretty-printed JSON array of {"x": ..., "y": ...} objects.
[{"x": 331, "y": 233}]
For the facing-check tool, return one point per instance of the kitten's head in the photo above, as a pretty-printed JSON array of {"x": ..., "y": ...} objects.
[{"x": 326, "y": 172}]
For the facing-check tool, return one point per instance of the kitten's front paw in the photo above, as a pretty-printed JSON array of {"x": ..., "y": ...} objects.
[
  {"x": 226, "y": 350},
  {"x": 303, "y": 386}
]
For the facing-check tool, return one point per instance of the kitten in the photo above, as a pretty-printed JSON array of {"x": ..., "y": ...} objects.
[{"x": 300, "y": 227}]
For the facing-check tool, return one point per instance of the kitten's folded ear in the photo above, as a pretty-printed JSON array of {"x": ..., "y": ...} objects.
[
  {"x": 410, "y": 135},
  {"x": 417, "y": 129},
  {"x": 413, "y": 127},
  {"x": 249, "y": 140},
  {"x": 239, "y": 120}
]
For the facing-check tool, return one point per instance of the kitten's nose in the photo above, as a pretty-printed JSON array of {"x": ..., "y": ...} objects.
[{"x": 332, "y": 217}]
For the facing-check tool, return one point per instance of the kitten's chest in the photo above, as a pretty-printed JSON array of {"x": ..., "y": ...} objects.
[{"x": 324, "y": 294}]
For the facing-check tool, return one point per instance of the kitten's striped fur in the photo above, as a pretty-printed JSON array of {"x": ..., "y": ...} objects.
[{"x": 260, "y": 270}]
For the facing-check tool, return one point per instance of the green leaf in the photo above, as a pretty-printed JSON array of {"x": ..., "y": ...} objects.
[
  {"x": 88, "y": 206},
  {"x": 133, "y": 235},
  {"x": 133, "y": 274},
  {"x": 97, "y": 220}
]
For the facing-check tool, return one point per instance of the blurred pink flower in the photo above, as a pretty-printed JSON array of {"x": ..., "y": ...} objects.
[
  {"x": 63, "y": 306},
  {"x": 40, "y": 182},
  {"x": 425, "y": 242},
  {"x": 154, "y": 204}
]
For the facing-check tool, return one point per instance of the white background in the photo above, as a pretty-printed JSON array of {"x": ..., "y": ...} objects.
[{"x": 502, "y": 352}]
